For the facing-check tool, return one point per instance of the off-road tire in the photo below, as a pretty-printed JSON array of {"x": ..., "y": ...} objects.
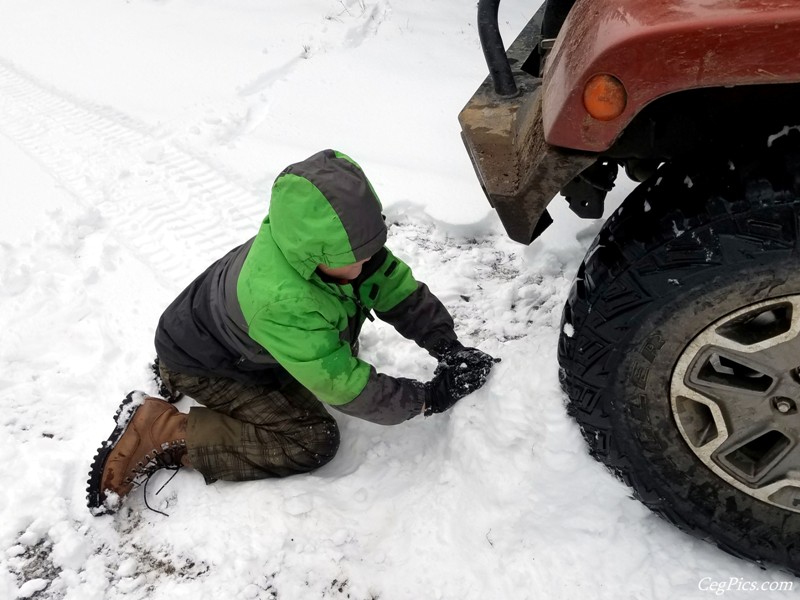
[{"x": 684, "y": 250}]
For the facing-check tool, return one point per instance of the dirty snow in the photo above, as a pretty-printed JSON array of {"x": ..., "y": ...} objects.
[
  {"x": 782, "y": 133},
  {"x": 138, "y": 142}
]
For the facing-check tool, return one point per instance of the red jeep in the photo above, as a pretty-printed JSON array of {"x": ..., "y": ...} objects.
[{"x": 680, "y": 340}]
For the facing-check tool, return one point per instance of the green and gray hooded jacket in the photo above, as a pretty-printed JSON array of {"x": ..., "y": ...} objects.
[{"x": 264, "y": 313}]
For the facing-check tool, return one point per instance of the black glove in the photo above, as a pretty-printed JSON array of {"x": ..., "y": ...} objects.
[
  {"x": 454, "y": 354},
  {"x": 461, "y": 371}
]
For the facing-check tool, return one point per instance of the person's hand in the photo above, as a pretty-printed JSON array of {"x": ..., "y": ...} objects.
[
  {"x": 461, "y": 371},
  {"x": 456, "y": 355}
]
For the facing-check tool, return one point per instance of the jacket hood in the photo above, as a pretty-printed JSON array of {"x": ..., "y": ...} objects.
[{"x": 324, "y": 210}]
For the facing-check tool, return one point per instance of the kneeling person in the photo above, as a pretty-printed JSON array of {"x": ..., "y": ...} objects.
[{"x": 271, "y": 329}]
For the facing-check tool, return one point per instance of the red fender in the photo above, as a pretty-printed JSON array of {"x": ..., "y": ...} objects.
[{"x": 658, "y": 47}]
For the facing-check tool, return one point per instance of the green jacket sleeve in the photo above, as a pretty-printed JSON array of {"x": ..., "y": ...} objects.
[
  {"x": 309, "y": 348},
  {"x": 407, "y": 304}
]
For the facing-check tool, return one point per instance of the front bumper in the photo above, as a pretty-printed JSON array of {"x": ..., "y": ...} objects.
[{"x": 519, "y": 171}]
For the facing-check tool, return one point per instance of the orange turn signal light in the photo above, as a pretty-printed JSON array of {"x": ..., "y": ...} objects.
[{"x": 604, "y": 97}]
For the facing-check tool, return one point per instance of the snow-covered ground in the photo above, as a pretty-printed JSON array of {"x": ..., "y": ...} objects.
[{"x": 138, "y": 142}]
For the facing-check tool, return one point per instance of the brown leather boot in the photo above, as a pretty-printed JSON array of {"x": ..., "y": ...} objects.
[{"x": 150, "y": 435}]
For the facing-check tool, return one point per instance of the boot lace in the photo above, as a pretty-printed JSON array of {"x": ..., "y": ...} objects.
[{"x": 167, "y": 458}]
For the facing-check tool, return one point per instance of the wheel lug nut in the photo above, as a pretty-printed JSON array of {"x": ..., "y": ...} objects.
[{"x": 784, "y": 405}]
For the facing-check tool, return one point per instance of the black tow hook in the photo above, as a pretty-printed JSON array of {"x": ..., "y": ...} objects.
[{"x": 493, "y": 49}]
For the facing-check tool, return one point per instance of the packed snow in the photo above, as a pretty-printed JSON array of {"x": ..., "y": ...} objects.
[{"x": 138, "y": 142}]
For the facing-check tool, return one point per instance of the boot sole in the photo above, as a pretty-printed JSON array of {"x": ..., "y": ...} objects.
[{"x": 94, "y": 495}]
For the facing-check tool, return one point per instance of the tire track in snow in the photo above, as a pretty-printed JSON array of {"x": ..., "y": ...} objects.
[
  {"x": 191, "y": 212},
  {"x": 138, "y": 180}
]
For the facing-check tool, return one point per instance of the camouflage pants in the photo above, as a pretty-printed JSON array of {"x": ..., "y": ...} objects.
[{"x": 246, "y": 431}]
